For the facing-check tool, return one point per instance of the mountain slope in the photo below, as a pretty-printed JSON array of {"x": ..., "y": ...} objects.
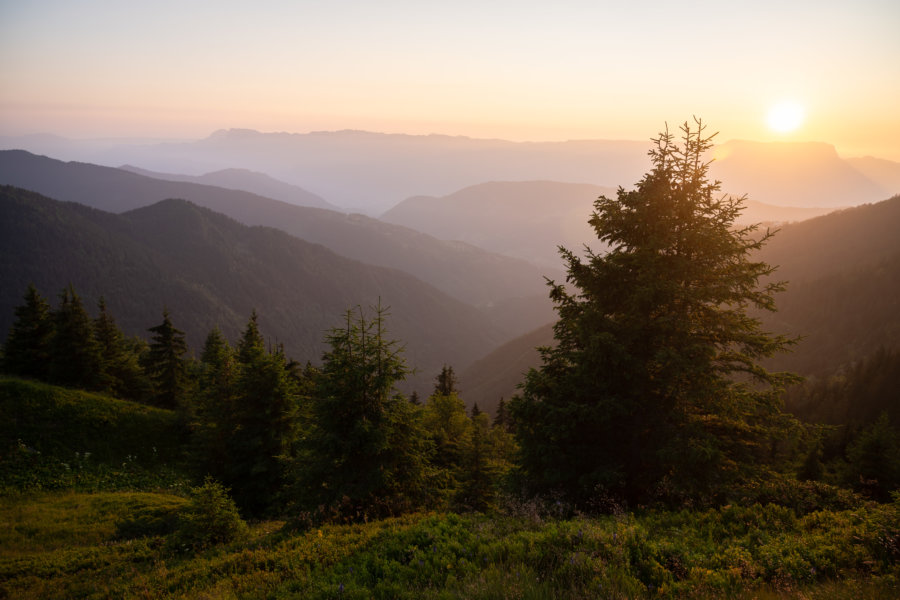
[
  {"x": 247, "y": 181},
  {"x": 467, "y": 273},
  {"x": 210, "y": 270}
]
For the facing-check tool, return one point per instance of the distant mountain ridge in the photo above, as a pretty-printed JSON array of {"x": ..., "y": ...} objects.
[
  {"x": 245, "y": 180},
  {"x": 811, "y": 173},
  {"x": 531, "y": 219},
  {"x": 371, "y": 172},
  {"x": 211, "y": 271}
]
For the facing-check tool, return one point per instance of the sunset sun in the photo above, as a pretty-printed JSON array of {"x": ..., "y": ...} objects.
[{"x": 785, "y": 117}]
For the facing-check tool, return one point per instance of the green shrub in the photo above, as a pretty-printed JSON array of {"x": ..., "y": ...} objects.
[{"x": 210, "y": 518}]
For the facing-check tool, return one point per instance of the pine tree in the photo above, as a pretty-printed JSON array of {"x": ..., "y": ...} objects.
[
  {"x": 27, "y": 349},
  {"x": 166, "y": 365},
  {"x": 75, "y": 354},
  {"x": 214, "y": 415},
  {"x": 449, "y": 432},
  {"x": 873, "y": 460},
  {"x": 123, "y": 375},
  {"x": 654, "y": 386},
  {"x": 502, "y": 418},
  {"x": 445, "y": 382},
  {"x": 263, "y": 423},
  {"x": 365, "y": 455}
]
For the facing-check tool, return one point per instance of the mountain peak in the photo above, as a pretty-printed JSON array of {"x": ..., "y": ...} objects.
[{"x": 233, "y": 133}]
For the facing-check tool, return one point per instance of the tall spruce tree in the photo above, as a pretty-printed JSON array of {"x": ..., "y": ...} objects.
[
  {"x": 27, "y": 349},
  {"x": 123, "y": 375},
  {"x": 215, "y": 405},
  {"x": 262, "y": 424},
  {"x": 366, "y": 452},
  {"x": 654, "y": 388},
  {"x": 166, "y": 365},
  {"x": 75, "y": 354}
]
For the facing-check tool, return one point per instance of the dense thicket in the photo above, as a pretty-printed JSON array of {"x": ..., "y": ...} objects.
[{"x": 640, "y": 397}]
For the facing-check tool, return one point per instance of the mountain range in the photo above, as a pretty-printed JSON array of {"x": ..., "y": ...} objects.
[
  {"x": 371, "y": 172},
  {"x": 531, "y": 219},
  {"x": 509, "y": 288}
]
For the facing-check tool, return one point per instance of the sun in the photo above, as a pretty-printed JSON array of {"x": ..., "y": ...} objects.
[{"x": 785, "y": 117}]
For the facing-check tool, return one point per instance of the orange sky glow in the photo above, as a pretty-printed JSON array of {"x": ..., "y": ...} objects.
[{"x": 512, "y": 70}]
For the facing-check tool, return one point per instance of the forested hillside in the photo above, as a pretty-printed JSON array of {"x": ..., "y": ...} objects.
[{"x": 211, "y": 271}]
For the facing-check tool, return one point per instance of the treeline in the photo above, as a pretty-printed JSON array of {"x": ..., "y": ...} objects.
[
  {"x": 330, "y": 442},
  {"x": 855, "y": 425}
]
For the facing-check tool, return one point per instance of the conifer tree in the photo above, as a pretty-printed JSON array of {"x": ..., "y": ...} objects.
[
  {"x": 449, "y": 432},
  {"x": 214, "y": 424},
  {"x": 27, "y": 349},
  {"x": 445, "y": 382},
  {"x": 75, "y": 354},
  {"x": 654, "y": 387},
  {"x": 123, "y": 375},
  {"x": 365, "y": 455},
  {"x": 166, "y": 365},
  {"x": 263, "y": 423},
  {"x": 502, "y": 418}
]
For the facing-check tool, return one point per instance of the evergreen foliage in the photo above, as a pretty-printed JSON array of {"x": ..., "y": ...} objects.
[
  {"x": 27, "y": 349},
  {"x": 445, "y": 383},
  {"x": 75, "y": 354},
  {"x": 262, "y": 424},
  {"x": 214, "y": 406},
  {"x": 449, "y": 432},
  {"x": 210, "y": 518},
  {"x": 123, "y": 375},
  {"x": 654, "y": 386},
  {"x": 857, "y": 395},
  {"x": 873, "y": 460},
  {"x": 365, "y": 453},
  {"x": 166, "y": 365}
]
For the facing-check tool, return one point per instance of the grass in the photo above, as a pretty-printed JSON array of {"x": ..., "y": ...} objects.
[
  {"x": 56, "y": 421},
  {"x": 63, "y": 545}
]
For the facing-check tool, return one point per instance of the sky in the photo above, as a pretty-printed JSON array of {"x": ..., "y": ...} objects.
[{"x": 517, "y": 70}]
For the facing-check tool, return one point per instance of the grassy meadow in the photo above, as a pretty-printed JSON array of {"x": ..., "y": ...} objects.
[{"x": 93, "y": 504}]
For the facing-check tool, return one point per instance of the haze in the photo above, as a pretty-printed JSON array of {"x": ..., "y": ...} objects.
[{"x": 510, "y": 70}]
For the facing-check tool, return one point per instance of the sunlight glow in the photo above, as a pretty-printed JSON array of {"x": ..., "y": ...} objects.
[{"x": 785, "y": 117}]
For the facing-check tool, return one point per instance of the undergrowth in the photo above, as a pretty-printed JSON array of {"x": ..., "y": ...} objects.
[{"x": 74, "y": 545}]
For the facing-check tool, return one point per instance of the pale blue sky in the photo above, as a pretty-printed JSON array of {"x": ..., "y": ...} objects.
[{"x": 516, "y": 70}]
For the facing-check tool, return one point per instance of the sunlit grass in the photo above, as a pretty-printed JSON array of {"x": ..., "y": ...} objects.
[{"x": 66, "y": 545}]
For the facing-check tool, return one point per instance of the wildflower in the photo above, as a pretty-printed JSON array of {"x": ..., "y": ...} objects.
[
  {"x": 319, "y": 531},
  {"x": 341, "y": 588}
]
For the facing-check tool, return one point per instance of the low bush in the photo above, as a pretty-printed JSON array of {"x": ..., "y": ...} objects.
[{"x": 210, "y": 518}]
